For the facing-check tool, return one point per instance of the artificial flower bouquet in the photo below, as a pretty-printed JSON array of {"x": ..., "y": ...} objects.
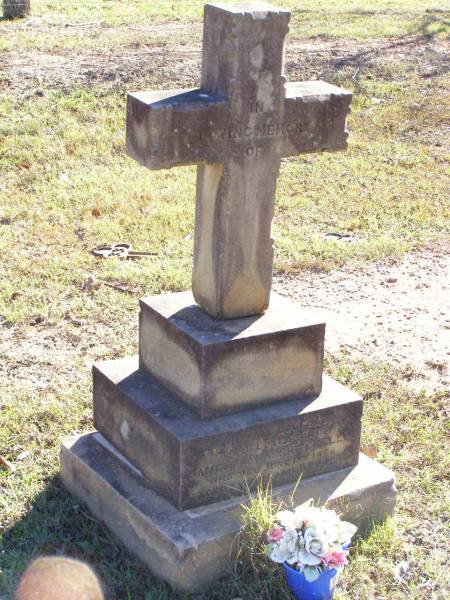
[{"x": 310, "y": 539}]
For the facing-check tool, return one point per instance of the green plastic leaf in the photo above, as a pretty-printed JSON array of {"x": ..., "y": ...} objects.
[{"x": 311, "y": 574}]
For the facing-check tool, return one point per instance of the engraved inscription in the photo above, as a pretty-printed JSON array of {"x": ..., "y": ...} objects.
[
  {"x": 300, "y": 447},
  {"x": 255, "y": 106},
  {"x": 266, "y": 130},
  {"x": 254, "y": 151},
  {"x": 240, "y": 467}
]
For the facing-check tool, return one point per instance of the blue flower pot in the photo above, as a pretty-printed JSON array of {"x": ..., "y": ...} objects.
[{"x": 320, "y": 589}]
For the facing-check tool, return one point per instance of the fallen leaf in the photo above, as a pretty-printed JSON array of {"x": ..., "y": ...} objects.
[
  {"x": 75, "y": 321},
  {"x": 25, "y": 165},
  {"x": 370, "y": 450},
  {"x": 5, "y": 464},
  {"x": 38, "y": 319},
  {"x": 121, "y": 287}
]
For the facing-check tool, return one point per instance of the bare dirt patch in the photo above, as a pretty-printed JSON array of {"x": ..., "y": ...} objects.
[
  {"x": 397, "y": 313},
  {"x": 41, "y": 359},
  {"x": 141, "y": 53},
  {"x": 165, "y": 58}
]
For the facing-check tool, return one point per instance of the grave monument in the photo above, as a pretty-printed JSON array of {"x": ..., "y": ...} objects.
[
  {"x": 228, "y": 385},
  {"x": 15, "y": 8}
]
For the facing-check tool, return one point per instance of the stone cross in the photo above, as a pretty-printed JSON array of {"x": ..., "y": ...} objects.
[{"x": 237, "y": 127}]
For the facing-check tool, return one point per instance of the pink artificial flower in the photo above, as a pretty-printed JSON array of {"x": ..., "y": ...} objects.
[
  {"x": 335, "y": 559},
  {"x": 275, "y": 534}
]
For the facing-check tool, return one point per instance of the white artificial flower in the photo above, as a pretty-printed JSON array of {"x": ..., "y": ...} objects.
[
  {"x": 315, "y": 542},
  {"x": 276, "y": 554},
  {"x": 306, "y": 513},
  {"x": 328, "y": 528},
  {"x": 288, "y": 519},
  {"x": 345, "y": 532},
  {"x": 286, "y": 549},
  {"x": 293, "y": 559},
  {"x": 308, "y": 559},
  {"x": 310, "y": 533}
]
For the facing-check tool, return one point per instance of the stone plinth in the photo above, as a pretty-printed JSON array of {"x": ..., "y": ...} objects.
[
  {"x": 217, "y": 367},
  {"x": 191, "y": 549},
  {"x": 192, "y": 461}
]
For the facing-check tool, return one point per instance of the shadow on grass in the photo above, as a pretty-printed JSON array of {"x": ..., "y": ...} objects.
[
  {"x": 57, "y": 523},
  {"x": 426, "y": 30},
  {"x": 365, "y": 57},
  {"x": 432, "y": 24}
]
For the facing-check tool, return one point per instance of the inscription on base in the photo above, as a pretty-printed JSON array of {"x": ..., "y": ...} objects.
[{"x": 301, "y": 448}]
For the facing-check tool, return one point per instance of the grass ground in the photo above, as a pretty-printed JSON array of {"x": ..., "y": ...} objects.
[{"x": 66, "y": 186}]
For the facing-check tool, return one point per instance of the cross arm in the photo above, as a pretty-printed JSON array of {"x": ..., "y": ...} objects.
[
  {"x": 164, "y": 129},
  {"x": 315, "y": 115}
]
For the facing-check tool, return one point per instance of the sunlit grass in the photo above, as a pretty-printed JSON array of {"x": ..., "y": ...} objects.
[
  {"x": 358, "y": 19},
  {"x": 66, "y": 186},
  {"x": 63, "y": 161}
]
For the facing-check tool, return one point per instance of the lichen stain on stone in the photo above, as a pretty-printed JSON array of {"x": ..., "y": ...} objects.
[
  {"x": 257, "y": 57},
  {"x": 125, "y": 430},
  {"x": 265, "y": 90}
]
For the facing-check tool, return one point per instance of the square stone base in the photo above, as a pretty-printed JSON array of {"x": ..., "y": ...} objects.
[
  {"x": 192, "y": 461},
  {"x": 219, "y": 367},
  {"x": 191, "y": 549}
]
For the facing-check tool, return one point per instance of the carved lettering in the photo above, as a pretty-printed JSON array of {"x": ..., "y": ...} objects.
[
  {"x": 255, "y": 106},
  {"x": 282, "y": 455},
  {"x": 254, "y": 151},
  {"x": 261, "y": 131},
  {"x": 237, "y": 132}
]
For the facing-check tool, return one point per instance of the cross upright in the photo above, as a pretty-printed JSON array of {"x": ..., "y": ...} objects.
[{"x": 236, "y": 127}]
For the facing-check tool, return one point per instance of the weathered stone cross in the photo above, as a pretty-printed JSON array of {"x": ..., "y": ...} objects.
[{"x": 237, "y": 126}]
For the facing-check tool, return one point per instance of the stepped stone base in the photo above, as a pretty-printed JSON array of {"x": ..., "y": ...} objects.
[{"x": 191, "y": 548}]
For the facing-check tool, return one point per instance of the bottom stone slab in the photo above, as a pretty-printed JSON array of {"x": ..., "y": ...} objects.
[{"x": 190, "y": 549}]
